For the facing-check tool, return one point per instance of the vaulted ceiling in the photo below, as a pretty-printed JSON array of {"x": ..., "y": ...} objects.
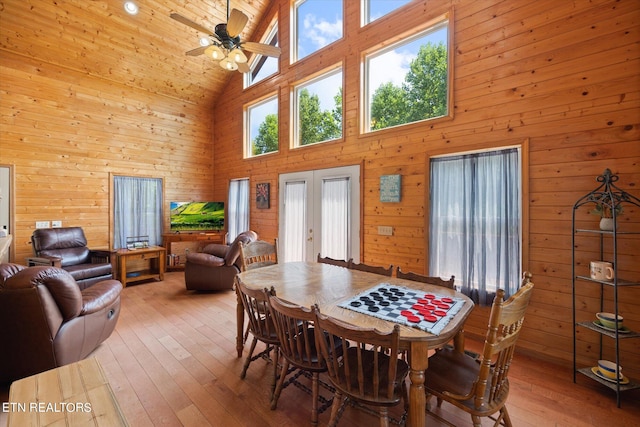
[{"x": 145, "y": 51}]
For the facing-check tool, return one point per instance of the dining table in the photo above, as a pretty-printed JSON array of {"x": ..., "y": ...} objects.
[{"x": 310, "y": 283}]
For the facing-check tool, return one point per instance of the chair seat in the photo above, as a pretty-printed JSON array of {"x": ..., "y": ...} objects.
[{"x": 371, "y": 394}]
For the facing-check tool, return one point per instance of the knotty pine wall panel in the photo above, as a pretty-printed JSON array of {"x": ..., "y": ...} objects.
[{"x": 563, "y": 76}]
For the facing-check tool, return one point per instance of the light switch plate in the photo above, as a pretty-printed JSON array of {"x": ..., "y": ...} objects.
[
  {"x": 56, "y": 224},
  {"x": 42, "y": 224},
  {"x": 384, "y": 230}
]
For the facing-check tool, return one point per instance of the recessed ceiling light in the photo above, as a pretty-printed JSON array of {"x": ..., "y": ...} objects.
[{"x": 131, "y": 8}]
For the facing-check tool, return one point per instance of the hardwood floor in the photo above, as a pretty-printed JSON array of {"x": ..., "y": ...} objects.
[{"x": 172, "y": 361}]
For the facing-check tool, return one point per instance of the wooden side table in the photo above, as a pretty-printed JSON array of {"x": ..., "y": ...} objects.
[
  {"x": 157, "y": 263},
  {"x": 73, "y": 395}
]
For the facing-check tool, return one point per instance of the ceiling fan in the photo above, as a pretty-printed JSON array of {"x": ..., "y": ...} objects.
[{"x": 224, "y": 43}]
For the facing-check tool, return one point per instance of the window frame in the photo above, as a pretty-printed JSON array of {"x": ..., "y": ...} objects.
[
  {"x": 271, "y": 32},
  {"x": 293, "y": 25},
  {"x": 247, "y": 142},
  {"x": 443, "y": 20},
  {"x": 295, "y": 110},
  {"x": 365, "y": 12}
]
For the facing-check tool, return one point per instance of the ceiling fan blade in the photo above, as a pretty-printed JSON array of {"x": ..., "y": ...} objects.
[
  {"x": 262, "y": 49},
  {"x": 197, "y": 51},
  {"x": 243, "y": 67},
  {"x": 236, "y": 23},
  {"x": 190, "y": 23}
]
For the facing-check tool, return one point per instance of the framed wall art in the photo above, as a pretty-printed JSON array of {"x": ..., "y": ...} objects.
[{"x": 262, "y": 195}]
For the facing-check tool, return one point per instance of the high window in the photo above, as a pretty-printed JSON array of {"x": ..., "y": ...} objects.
[
  {"x": 407, "y": 81},
  {"x": 316, "y": 24},
  {"x": 374, "y": 9},
  {"x": 262, "y": 66},
  {"x": 261, "y": 127},
  {"x": 475, "y": 221},
  {"x": 318, "y": 108}
]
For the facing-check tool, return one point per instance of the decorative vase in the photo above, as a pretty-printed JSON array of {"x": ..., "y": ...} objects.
[{"x": 606, "y": 224}]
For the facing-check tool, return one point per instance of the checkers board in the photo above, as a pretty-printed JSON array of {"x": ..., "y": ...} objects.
[{"x": 427, "y": 311}]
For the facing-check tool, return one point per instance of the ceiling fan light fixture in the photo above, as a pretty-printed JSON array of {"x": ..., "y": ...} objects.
[
  {"x": 215, "y": 52},
  {"x": 204, "y": 41},
  {"x": 228, "y": 64},
  {"x": 237, "y": 56}
]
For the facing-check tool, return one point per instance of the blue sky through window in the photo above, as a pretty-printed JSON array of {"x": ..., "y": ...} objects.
[
  {"x": 319, "y": 23},
  {"x": 379, "y": 8}
]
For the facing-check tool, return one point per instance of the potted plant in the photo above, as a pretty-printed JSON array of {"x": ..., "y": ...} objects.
[{"x": 605, "y": 212}]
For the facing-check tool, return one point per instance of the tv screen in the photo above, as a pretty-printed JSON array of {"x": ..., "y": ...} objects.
[{"x": 197, "y": 216}]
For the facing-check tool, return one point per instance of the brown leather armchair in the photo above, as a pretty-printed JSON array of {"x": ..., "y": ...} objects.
[
  {"x": 215, "y": 268},
  {"x": 46, "y": 321},
  {"x": 67, "y": 248}
]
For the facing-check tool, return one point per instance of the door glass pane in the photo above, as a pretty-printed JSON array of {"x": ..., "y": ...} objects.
[
  {"x": 335, "y": 218},
  {"x": 295, "y": 221}
]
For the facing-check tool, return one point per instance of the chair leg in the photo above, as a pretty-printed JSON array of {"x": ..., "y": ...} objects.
[
  {"x": 384, "y": 416},
  {"x": 248, "y": 359},
  {"x": 338, "y": 402},
  {"x": 314, "y": 398},
  {"x": 505, "y": 416},
  {"x": 476, "y": 421},
  {"x": 275, "y": 358},
  {"x": 278, "y": 390}
]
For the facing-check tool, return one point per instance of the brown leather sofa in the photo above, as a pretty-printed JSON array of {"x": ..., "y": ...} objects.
[
  {"x": 215, "y": 268},
  {"x": 46, "y": 321},
  {"x": 67, "y": 248}
]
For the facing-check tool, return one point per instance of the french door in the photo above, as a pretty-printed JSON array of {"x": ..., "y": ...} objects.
[{"x": 320, "y": 214}]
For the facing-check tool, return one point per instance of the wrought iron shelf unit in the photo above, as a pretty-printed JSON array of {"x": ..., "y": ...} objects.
[{"x": 606, "y": 198}]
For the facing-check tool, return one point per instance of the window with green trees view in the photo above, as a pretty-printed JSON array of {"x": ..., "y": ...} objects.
[
  {"x": 261, "y": 127},
  {"x": 318, "y": 109},
  {"x": 407, "y": 81}
]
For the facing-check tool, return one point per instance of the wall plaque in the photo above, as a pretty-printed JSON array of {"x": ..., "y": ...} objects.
[{"x": 390, "y": 188}]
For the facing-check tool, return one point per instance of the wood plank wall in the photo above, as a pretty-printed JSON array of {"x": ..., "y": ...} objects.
[{"x": 561, "y": 75}]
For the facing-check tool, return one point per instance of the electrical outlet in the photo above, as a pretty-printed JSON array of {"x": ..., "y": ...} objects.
[
  {"x": 42, "y": 224},
  {"x": 385, "y": 230},
  {"x": 56, "y": 224}
]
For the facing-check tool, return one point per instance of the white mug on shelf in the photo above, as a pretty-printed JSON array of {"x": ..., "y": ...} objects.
[{"x": 601, "y": 270}]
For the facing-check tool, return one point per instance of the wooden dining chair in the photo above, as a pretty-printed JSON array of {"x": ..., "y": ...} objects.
[
  {"x": 372, "y": 269},
  {"x": 261, "y": 326},
  {"x": 258, "y": 254},
  {"x": 432, "y": 280},
  {"x": 364, "y": 372},
  {"x": 481, "y": 388},
  {"x": 298, "y": 349},
  {"x": 331, "y": 261}
]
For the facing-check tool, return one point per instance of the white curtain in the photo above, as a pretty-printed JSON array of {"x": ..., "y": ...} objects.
[
  {"x": 137, "y": 206},
  {"x": 335, "y": 218},
  {"x": 295, "y": 221},
  {"x": 475, "y": 222},
  {"x": 238, "y": 208}
]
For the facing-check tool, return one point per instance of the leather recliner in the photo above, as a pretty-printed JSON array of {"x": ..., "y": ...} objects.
[
  {"x": 46, "y": 321},
  {"x": 67, "y": 248},
  {"x": 215, "y": 268}
]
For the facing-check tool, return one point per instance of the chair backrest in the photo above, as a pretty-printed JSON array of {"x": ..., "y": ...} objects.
[
  {"x": 331, "y": 261},
  {"x": 67, "y": 243},
  {"x": 234, "y": 251},
  {"x": 364, "y": 370},
  {"x": 505, "y": 324},
  {"x": 255, "y": 303},
  {"x": 372, "y": 269},
  {"x": 294, "y": 326},
  {"x": 432, "y": 280},
  {"x": 258, "y": 254}
]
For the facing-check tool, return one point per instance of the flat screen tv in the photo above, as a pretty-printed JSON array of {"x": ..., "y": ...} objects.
[{"x": 197, "y": 216}]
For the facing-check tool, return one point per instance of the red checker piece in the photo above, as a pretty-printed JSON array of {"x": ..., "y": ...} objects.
[
  {"x": 413, "y": 319},
  {"x": 430, "y": 306},
  {"x": 430, "y": 318},
  {"x": 446, "y": 300},
  {"x": 439, "y": 313},
  {"x": 443, "y": 306},
  {"x": 424, "y": 311},
  {"x": 417, "y": 306},
  {"x": 429, "y": 296},
  {"x": 423, "y": 301},
  {"x": 406, "y": 313}
]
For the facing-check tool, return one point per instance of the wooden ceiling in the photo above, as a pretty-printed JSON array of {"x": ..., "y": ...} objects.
[{"x": 145, "y": 51}]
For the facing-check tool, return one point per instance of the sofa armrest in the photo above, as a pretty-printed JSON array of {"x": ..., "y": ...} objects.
[
  {"x": 205, "y": 259},
  {"x": 44, "y": 260},
  {"x": 100, "y": 295}
]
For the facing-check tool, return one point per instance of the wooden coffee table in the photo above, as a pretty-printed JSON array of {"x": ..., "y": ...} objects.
[{"x": 77, "y": 394}]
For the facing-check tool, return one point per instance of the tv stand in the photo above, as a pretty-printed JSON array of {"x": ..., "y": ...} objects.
[{"x": 200, "y": 239}]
